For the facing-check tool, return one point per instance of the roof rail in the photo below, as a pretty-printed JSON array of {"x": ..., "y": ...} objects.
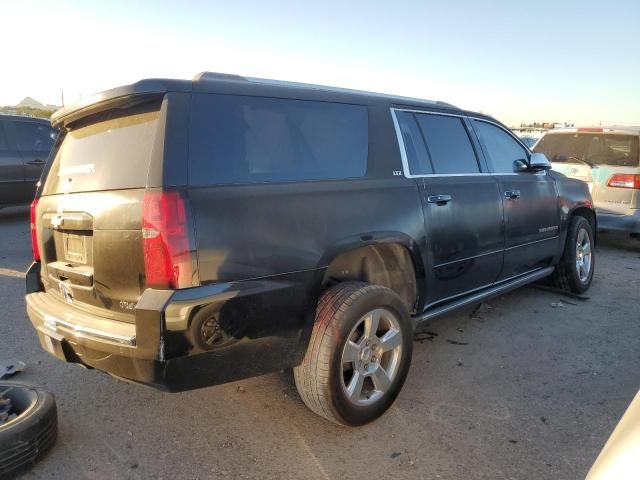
[
  {"x": 216, "y": 76},
  {"x": 205, "y": 76}
]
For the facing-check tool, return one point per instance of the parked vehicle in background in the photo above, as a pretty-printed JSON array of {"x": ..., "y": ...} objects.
[
  {"x": 25, "y": 143},
  {"x": 608, "y": 159},
  {"x": 528, "y": 141},
  {"x": 192, "y": 233}
]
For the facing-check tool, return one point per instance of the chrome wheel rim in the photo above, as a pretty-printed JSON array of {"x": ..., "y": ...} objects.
[
  {"x": 371, "y": 357},
  {"x": 583, "y": 255}
]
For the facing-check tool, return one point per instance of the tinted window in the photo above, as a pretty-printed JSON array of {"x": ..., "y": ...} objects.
[
  {"x": 417, "y": 157},
  {"x": 448, "y": 144},
  {"x": 240, "y": 139},
  {"x": 34, "y": 136},
  {"x": 593, "y": 148},
  {"x": 4, "y": 145},
  {"x": 109, "y": 152},
  {"x": 502, "y": 149}
]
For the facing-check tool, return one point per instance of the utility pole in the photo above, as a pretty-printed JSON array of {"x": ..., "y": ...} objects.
[{"x": 62, "y": 95}]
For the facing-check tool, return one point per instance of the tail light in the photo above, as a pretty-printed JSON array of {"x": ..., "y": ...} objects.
[
  {"x": 165, "y": 237},
  {"x": 624, "y": 180},
  {"x": 34, "y": 233}
]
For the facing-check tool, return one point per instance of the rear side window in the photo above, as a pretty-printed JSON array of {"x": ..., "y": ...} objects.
[
  {"x": 448, "y": 144},
  {"x": 242, "y": 139},
  {"x": 108, "y": 152},
  {"x": 34, "y": 136},
  {"x": 502, "y": 149}
]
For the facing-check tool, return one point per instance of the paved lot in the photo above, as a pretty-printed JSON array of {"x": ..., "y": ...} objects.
[{"x": 531, "y": 392}]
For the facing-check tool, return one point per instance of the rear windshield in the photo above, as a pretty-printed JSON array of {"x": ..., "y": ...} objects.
[
  {"x": 240, "y": 139},
  {"x": 110, "y": 152},
  {"x": 591, "y": 148}
]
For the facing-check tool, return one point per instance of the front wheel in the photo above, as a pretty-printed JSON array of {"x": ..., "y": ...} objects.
[
  {"x": 574, "y": 272},
  {"x": 358, "y": 356}
]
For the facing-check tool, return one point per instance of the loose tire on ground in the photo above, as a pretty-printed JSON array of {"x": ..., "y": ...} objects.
[
  {"x": 346, "y": 314},
  {"x": 566, "y": 275},
  {"x": 27, "y": 438}
]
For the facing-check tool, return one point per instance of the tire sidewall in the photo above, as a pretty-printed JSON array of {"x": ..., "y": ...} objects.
[
  {"x": 578, "y": 224},
  {"x": 376, "y": 297}
]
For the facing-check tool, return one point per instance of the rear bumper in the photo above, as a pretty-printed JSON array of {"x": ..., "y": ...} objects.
[
  {"x": 621, "y": 223},
  {"x": 156, "y": 350}
]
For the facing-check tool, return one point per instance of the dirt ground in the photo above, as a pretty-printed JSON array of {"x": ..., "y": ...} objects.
[{"x": 532, "y": 388}]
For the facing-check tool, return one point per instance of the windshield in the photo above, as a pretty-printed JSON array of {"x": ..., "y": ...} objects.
[
  {"x": 591, "y": 148},
  {"x": 105, "y": 153}
]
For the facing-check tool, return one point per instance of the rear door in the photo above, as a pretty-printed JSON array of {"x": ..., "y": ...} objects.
[
  {"x": 461, "y": 204},
  {"x": 89, "y": 214},
  {"x": 531, "y": 209},
  {"x": 11, "y": 167}
]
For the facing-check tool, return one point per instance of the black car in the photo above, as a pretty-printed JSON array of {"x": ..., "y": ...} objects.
[
  {"x": 25, "y": 143},
  {"x": 192, "y": 233}
]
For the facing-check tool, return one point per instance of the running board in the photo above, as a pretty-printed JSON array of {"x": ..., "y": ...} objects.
[{"x": 482, "y": 295}]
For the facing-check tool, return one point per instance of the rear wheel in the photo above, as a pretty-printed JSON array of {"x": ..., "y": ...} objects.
[
  {"x": 358, "y": 356},
  {"x": 574, "y": 272}
]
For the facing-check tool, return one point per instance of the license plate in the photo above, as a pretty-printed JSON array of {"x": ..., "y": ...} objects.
[{"x": 74, "y": 248}]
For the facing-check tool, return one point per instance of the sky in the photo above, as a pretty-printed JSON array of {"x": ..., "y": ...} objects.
[{"x": 542, "y": 60}]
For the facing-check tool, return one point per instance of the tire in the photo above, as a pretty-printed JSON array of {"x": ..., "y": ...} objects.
[
  {"x": 27, "y": 438},
  {"x": 332, "y": 367},
  {"x": 567, "y": 275}
]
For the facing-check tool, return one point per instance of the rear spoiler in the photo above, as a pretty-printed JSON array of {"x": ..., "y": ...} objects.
[{"x": 120, "y": 97}]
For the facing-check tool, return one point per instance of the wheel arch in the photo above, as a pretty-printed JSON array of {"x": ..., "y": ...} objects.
[{"x": 389, "y": 259}]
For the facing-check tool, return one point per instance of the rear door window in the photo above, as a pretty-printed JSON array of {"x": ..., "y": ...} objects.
[
  {"x": 32, "y": 136},
  {"x": 448, "y": 144},
  {"x": 242, "y": 139},
  {"x": 108, "y": 152},
  {"x": 502, "y": 149}
]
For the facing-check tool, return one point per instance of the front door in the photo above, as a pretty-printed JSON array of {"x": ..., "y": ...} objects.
[
  {"x": 531, "y": 209},
  {"x": 11, "y": 169},
  {"x": 461, "y": 203}
]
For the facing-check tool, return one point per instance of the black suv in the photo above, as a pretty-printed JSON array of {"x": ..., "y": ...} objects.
[
  {"x": 192, "y": 233},
  {"x": 25, "y": 143}
]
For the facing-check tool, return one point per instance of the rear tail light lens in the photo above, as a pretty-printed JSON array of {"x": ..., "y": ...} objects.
[
  {"x": 34, "y": 233},
  {"x": 165, "y": 236},
  {"x": 624, "y": 180}
]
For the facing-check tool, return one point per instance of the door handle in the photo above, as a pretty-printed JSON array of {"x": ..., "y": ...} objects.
[
  {"x": 37, "y": 162},
  {"x": 512, "y": 194},
  {"x": 439, "y": 199}
]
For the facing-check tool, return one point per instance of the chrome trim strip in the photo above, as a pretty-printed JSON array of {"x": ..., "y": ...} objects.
[
  {"x": 531, "y": 243},
  {"x": 78, "y": 331},
  {"x": 468, "y": 258}
]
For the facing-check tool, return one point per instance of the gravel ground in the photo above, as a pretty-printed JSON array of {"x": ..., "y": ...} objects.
[{"x": 530, "y": 391}]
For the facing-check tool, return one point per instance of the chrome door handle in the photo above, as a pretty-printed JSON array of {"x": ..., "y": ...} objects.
[
  {"x": 512, "y": 194},
  {"x": 439, "y": 199}
]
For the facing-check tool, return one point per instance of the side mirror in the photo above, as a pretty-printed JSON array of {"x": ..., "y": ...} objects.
[{"x": 538, "y": 162}]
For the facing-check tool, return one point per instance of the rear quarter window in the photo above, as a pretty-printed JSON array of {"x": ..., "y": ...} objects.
[{"x": 243, "y": 139}]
